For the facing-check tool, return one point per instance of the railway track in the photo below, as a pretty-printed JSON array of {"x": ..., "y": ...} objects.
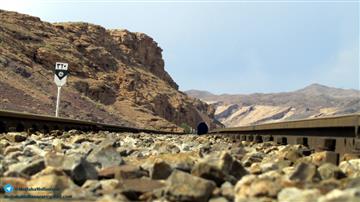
[
  {"x": 338, "y": 135},
  {"x": 11, "y": 121}
]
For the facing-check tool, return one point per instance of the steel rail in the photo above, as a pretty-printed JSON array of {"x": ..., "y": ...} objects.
[
  {"x": 344, "y": 121},
  {"x": 20, "y": 121},
  {"x": 336, "y": 135}
]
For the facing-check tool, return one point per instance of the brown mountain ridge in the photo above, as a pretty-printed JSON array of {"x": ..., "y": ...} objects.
[
  {"x": 116, "y": 76},
  {"x": 312, "y": 101}
]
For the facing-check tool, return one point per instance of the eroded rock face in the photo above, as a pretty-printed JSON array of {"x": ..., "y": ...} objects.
[
  {"x": 116, "y": 76},
  {"x": 139, "y": 48}
]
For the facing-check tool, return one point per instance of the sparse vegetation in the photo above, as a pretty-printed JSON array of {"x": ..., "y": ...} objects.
[
  {"x": 98, "y": 105},
  {"x": 186, "y": 127}
]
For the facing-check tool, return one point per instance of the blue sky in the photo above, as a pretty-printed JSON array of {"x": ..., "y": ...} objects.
[{"x": 232, "y": 47}]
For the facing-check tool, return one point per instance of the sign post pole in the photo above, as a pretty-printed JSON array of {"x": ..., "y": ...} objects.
[
  {"x": 58, "y": 101},
  {"x": 61, "y": 72}
]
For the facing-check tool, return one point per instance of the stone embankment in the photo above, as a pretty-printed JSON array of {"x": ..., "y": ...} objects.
[{"x": 107, "y": 166}]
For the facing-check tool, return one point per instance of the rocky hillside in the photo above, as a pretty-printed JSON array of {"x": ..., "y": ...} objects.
[
  {"x": 116, "y": 76},
  {"x": 312, "y": 101}
]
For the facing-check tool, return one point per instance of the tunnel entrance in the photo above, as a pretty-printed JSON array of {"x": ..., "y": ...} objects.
[
  {"x": 202, "y": 128},
  {"x": 2, "y": 127}
]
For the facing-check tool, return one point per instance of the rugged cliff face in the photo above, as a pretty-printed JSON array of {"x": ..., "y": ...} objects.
[{"x": 116, "y": 76}]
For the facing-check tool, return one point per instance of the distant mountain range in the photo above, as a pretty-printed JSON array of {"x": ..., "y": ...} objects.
[{"x": 312, "y": 101}]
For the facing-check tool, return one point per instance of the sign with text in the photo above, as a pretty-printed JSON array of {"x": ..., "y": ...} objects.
[{"x": 61, "y": 73}]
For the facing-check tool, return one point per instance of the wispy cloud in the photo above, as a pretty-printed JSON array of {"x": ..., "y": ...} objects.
[{"x": 342, "y": 70}]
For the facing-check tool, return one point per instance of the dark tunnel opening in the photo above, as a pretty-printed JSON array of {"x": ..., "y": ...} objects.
[{"x": 202, "y": 128}]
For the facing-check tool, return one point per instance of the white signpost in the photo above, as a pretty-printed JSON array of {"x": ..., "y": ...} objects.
[{"x": 61, "y": 72}]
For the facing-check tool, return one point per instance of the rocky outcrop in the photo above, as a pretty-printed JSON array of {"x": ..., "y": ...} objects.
[
  {"x": 141, "y": 49},
  {"x": 116, "y": 76}
]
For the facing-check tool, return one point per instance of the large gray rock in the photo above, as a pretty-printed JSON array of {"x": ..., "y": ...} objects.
[
  {"x": 351, "y": 168},
  {"x": 109, "y": 185},
  {"x": 251, "y": 158},
  {"x": 319, "y": 158},
  {"x": 182, "y": 186},
  {"x": 254, "y": 199},
  {"x": 74, "y": 132},
  {"x": 129, "y": 172},
  {"x": 354, "y": 183},
  {"x": 290, "y": 152},
  {"x": 79, "y": 169},
  {"x": 2, "y": 167},
  {"x": 77, "y": 139},
  {"x": 134, "y": 188},
  {"x": 166, "y": 148},
  {"x": 75, "y": 165},
  {"x": 59, "y": 145},
  {"x": 329, "y": 170},
  {"x": 91, "y": 185},
  {"x": 204, "y": 150},
  {"x": 13, "y": 148},
  {"x": 78, "y": 193},
  {"x": 111, "y": 198},
  {"x": 25, "y": 169},
  {"x": 16, "y": 136},
  {"x": 298, "y": 195},
  {"x": 330, "y": 184},
  {"x": 264, "y": 187},
  {"x": 59, "y": 182},
  {"x": 218, "y": 199},
  {"x": 3, "y": 144},
  {"x": 105, "y": 155},
  {"x": 160, "y": 170},
  {"x": 54, "y": 159},
  {"x": 82, "y": 149},
  {"x": 255, "y": 168},
  {"x": 122, "y": 172},
  {"x": 227, "y": 190},
  {"x": 34, "y": 150},
  {"x": 219, "y": 168},
  {"x": 348, "y": 195},
  {"x": 305, "y": 173},
  {"x": 254, "y": 186}
]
